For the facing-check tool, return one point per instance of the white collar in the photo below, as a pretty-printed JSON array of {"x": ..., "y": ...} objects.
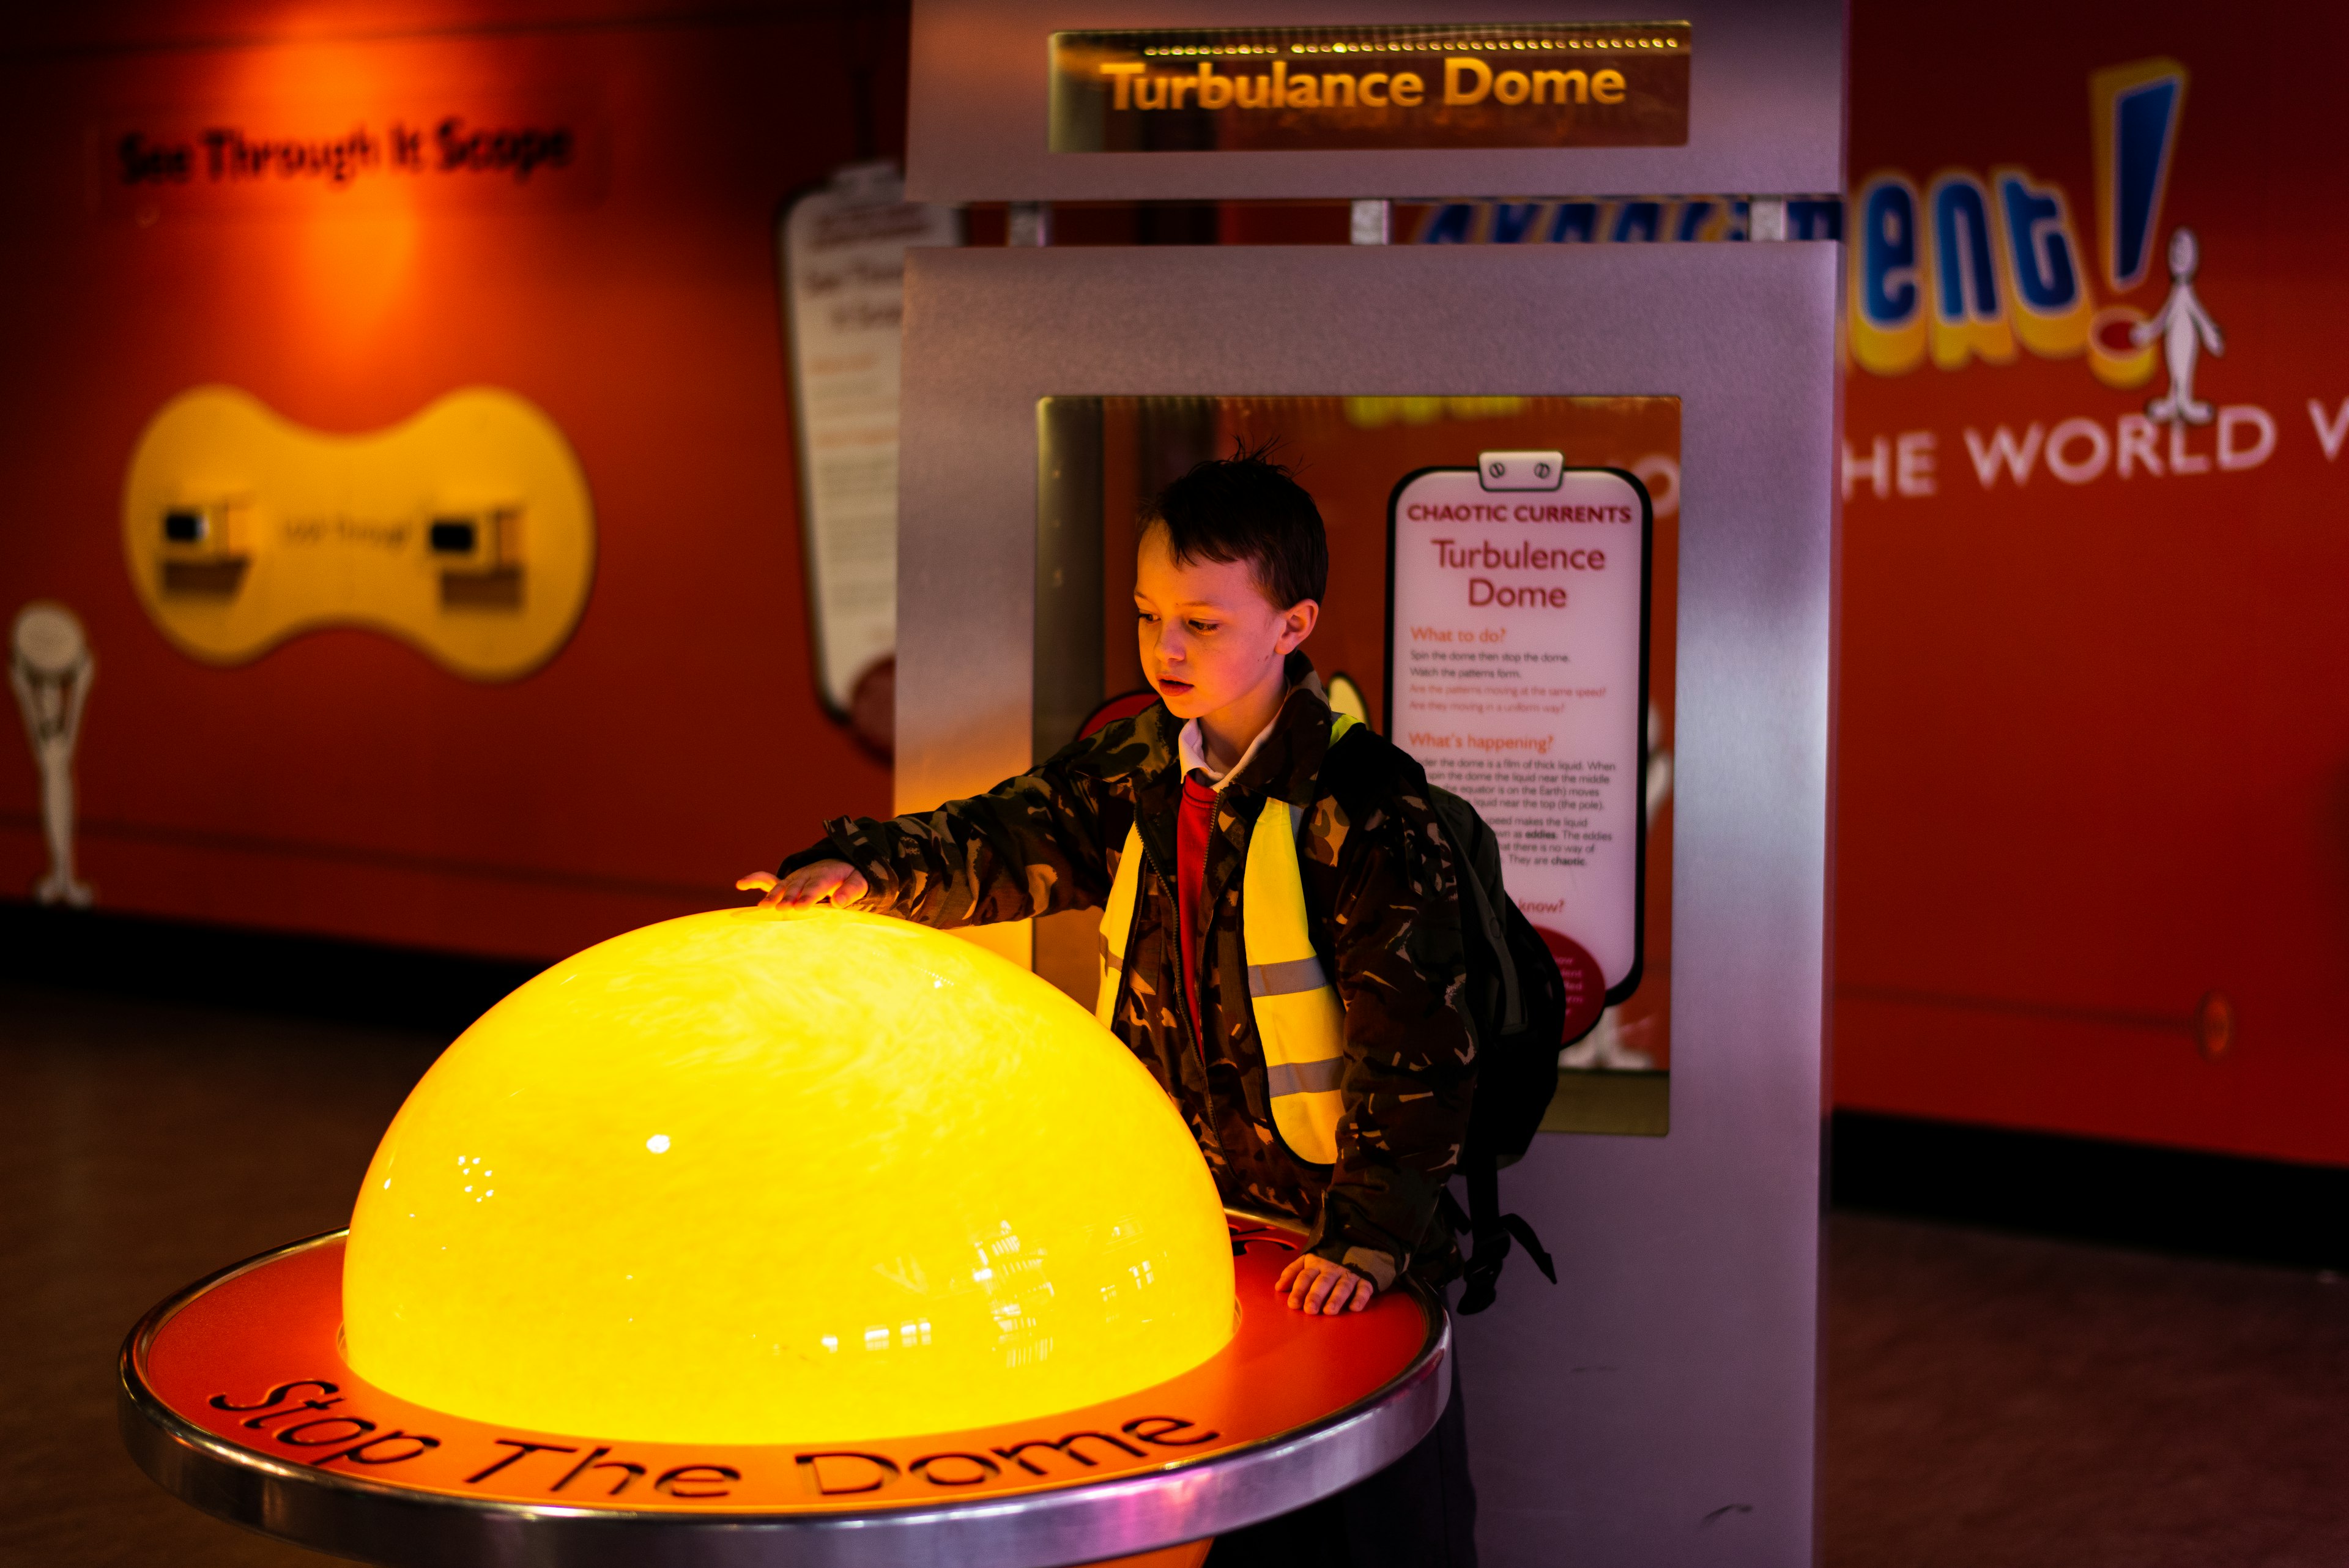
[{"x": 1192, "y": 746}]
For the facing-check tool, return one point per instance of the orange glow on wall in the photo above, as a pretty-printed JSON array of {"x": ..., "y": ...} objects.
[{"x": 342, "y": 783}]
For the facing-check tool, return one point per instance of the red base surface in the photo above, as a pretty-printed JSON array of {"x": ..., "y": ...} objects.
[{"x": 254, "y": 1360}]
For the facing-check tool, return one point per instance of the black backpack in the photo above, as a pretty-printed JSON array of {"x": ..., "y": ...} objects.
[{"x": 1515, "y": 1006}]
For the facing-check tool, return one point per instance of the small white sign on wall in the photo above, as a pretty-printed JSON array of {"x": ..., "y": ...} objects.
[
  {"x": 1517, "y": 674},
  {"x": 844, "y": 261}
]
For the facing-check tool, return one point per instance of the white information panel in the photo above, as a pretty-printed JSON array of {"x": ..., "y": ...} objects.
[
  {"x": 844, "y": 261},
  {"x": 1517, "y": 675}
]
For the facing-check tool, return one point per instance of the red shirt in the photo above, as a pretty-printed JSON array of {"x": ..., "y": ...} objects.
[{"x": 1193, "y": 820}]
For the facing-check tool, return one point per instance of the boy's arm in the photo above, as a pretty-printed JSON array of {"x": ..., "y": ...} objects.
[
  {"x": 1030, "y": 846},
  {"x": 1408, "y": 1070}
]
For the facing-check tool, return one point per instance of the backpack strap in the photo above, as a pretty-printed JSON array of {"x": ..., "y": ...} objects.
[{"x": 1493, "y": 1232}]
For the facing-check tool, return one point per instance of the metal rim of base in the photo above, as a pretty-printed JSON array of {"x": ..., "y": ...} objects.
[{"x": 1084, "y": 1522}]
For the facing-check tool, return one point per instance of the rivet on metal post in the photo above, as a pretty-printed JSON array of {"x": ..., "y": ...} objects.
[
  {"x": 1766, "y": 218},
  {"x": 1029, "y": 224},
  {"x": 1373, "y": 222}
]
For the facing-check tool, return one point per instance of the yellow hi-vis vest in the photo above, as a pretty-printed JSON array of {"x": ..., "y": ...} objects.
[{"x": 1299, "y": 1018}]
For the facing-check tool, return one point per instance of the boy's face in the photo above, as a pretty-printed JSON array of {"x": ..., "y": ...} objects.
[{"x": 1210, "y": 635}]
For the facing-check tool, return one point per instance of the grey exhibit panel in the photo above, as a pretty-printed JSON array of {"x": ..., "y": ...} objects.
[
  {"x": 1658, "y": 1405},
  {"x": 1764, "y": 116}
]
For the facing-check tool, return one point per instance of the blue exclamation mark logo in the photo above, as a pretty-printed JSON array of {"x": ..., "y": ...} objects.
[{"x": 2136, "y": 108}]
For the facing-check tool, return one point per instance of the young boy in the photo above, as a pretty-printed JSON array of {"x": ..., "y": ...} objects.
[{"x": 1356, "y": 1139}]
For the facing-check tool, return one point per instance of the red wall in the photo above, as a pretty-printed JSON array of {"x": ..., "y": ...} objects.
[
  {"x": 342, "y": 783},
  {"x": 2093, "y": 738}
]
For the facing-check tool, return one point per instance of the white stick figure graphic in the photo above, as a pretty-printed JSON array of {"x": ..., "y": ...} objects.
[
  {"x": 2185, "y": 329},
  {"x": 51, "y": 668}
]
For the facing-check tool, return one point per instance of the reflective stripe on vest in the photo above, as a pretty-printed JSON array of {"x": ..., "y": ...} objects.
[
  {"x": 1117, "y": 926},
  {"x": 1299, "y": 1019}
]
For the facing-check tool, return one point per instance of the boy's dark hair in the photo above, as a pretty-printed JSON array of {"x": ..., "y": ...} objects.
[{"x": 1246, "y": 507}]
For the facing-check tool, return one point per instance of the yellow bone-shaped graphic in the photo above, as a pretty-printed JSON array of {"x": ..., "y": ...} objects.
[{"x": 465, "y": 530}]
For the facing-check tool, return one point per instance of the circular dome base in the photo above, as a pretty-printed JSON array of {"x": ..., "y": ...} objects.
[{"x": 235, "y": 1395}]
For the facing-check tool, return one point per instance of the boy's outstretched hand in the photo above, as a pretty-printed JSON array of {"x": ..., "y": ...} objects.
[
  {"x": 836, "y": 880},
  {"x": 1316, "y": 1284}
]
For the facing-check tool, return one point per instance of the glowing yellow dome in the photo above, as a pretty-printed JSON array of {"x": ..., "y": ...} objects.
[{"x": 763, "y": 1177}]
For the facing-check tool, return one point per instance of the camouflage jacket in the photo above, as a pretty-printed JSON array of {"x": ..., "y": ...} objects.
[{"x": 1382, "y": 906}]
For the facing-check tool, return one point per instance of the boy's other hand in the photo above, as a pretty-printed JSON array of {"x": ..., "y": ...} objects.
[
  {"x": 836, "y": 880},
  {"x": 1316, "y": 1284}
]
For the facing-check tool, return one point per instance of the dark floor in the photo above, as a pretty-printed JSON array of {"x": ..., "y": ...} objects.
[
  {"x": 1992, "y": 1401},
  {"x": 2004, "y": 1402},
  {"x": 143, "y": 1146}
]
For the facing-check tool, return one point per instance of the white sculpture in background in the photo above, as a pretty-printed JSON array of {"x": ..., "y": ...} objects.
[
  {"x": 50, "y": 666},
  {"x": 1604, "y": 1048},
  {"x": 2185, "y": 329}
]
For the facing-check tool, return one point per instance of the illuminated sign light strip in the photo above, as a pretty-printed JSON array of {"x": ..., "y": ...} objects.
[{"x": 1441, "y": 46}]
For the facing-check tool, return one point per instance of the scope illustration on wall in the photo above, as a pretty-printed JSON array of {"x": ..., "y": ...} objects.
[{"x": 466, "y": 531}]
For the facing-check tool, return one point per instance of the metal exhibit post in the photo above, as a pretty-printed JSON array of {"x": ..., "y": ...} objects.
[{"x": 1658, "y": 1406}]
